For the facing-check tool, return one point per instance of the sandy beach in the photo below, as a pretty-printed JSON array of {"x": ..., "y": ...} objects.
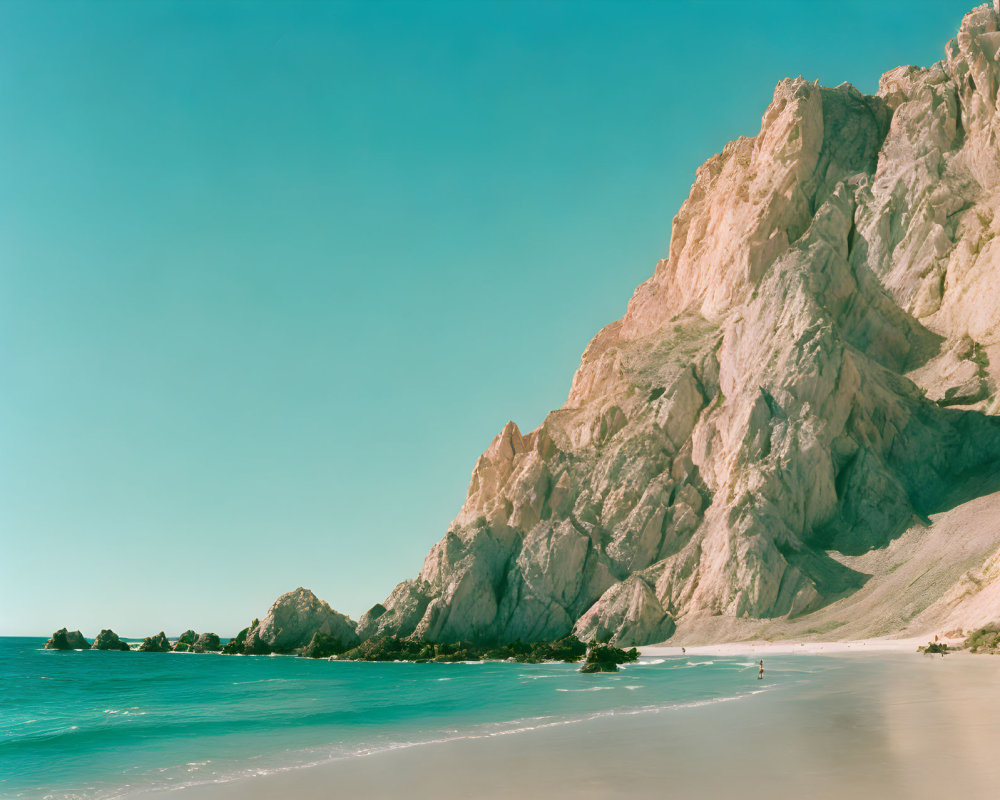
[
  {"x": 879, "y": 724},
  {"x": 764, "y": 648}
]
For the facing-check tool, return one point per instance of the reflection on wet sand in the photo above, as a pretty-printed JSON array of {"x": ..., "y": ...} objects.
[{"x": 859, "y": 726}]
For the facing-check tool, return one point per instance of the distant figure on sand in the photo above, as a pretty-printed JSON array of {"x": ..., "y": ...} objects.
[{"x": 760, "y": 675}]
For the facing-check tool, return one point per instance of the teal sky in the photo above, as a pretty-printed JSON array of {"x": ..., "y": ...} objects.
[{"x": 272, "y": 275}]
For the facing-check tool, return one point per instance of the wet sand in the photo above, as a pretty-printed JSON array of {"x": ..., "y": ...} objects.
[
  {"x": 873, "y": 726},
  {"x": 762, "y": 648}
]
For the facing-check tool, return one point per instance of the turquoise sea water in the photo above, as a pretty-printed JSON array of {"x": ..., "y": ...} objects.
[{"x": 95, "y": 724}]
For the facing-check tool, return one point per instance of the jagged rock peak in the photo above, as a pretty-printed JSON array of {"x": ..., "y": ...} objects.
[
  {"x": 291, "y": 622},
  {"x": 63, "y": 639},
  {"x": 810, "y": 372}
]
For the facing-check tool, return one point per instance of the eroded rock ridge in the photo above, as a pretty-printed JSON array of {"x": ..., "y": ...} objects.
[{"x": 810, "y": 371}]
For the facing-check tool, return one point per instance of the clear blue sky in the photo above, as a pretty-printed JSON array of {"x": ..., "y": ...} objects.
[{"x": 272, "y": 275}]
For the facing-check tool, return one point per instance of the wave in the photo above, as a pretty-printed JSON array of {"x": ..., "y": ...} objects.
[
  {"x": 525, "y": 725},
  {"x": 590, "y": 689}
]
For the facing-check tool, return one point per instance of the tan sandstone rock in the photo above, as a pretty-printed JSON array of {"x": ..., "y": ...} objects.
[
  {"x": 802, "y": 379},
  {"x": 293, "y": 620}
]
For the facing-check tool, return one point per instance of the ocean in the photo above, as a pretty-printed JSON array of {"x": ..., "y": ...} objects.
[{"x": 90, "y": 724}]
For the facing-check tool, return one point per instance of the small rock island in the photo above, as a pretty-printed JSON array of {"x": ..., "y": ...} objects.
[{"x": 300, "y": 624}]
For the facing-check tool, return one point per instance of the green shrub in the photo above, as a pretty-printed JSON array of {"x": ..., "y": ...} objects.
[{"x": 985, "y": 639}]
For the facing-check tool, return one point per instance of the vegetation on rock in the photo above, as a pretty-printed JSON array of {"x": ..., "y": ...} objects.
[
  {"x": 207, "y": 643},
  {"x": 323, "y": 645},
  {"x": 155, "y": 644},
  {"x": 185, "y": 642},
  {"x": 985, "y": 639},
  {"x": 605, "y": 658},
  {"x": 235, "y": 646},
  {"x": 67, "y": 640},
  {"x": 390, "y": 648},
  {"x": 108, "y": 640}
]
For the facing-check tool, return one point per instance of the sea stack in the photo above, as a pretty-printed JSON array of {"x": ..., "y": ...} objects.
[
  {"x": 155, "y": 644},
  {"x": 185, "y": 642},
  {"x": 67, "y": 640},
  {"x": 293, "y": 620},
  {"x": 108, "y": 640},
  {"x": 207, "y": 643}
]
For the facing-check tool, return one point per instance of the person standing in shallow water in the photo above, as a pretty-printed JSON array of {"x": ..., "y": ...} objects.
[{"x": 760, "y": 675}]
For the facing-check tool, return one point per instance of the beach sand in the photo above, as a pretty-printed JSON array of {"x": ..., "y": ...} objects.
[
  {"x": 881, "y": 724},
  {"x": 764, "y": 648}
]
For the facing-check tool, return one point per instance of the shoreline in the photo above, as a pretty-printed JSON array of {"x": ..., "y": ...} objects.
[
  {"x": 731, "y": 648},
  {"x": 793, "y": 647},
  {"x": 883, "y": 725}
]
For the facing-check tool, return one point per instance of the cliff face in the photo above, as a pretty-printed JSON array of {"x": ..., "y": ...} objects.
[{"x": 811, "y": 372}]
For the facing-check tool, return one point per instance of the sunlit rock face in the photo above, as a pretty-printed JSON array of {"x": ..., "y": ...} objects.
[
  {"x": 293, "y": 620},
  {"x": 809, "y": 371}
]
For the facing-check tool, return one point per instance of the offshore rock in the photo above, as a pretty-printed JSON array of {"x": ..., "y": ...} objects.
[
  {"x": 604, "y": 658},
  {"x": 207, "y": 643},
  {"x": 108, "y": 640},
  {"x": 185, "y": 642},
  {"x": 67, "y": 640},
  {"x": 155, "y": 644},
  {"x": 293, "y": 620},
  {"x": 811, "y": 370}
]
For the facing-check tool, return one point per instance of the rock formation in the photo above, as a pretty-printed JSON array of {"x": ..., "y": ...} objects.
[
  {"x": 67, "y": 640},
  {"x": 185, "y": 642},
  {"x": 323, "y": 645},
  {"x": 207, "y": 643},
  {"x": 811, "y": 371},
  {"x": 293, "y": 620},
  {"x": 236, "y": 645},
  {"x": 108, "y": 640},
  {"x": 605, "y": 658},
  {"x": 155, "y": 644}
]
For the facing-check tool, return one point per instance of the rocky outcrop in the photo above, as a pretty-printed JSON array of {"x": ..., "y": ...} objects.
[
  {"x": 108, "y": 640},
  {"x": 293, "y": 620},
  {"x": 155, "y": 644},
  {"x": 604, "y": 658},
  {"x": 323, "y": 645},
  {"x": 236, "y": 645},
  {"x": 67, "y": 640},
  {"x": 207, "y": 643},
  {"x": 810, "y": 371},
  {"x": 185, "y": 642},
  {"x": 368, "y": 624}
]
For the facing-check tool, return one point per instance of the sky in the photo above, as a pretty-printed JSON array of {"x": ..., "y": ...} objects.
[{"x": 273, "y": 275}]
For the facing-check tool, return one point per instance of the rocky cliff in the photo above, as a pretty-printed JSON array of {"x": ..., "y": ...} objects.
[{"x": 809, "y": 374}]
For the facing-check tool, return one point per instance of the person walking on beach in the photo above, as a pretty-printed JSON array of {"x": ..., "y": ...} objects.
[{"x": 760, "y": 675}]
